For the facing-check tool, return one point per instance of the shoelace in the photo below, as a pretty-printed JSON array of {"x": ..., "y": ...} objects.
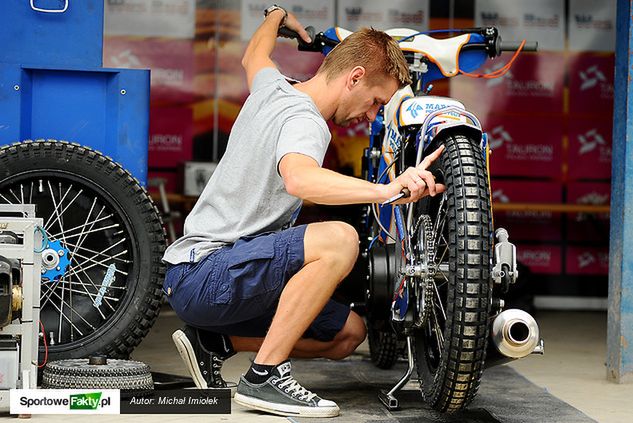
[{"x": 291, "y": 386}]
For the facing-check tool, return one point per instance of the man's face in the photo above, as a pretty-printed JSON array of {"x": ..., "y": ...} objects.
[{"x": 363, "y": 100}]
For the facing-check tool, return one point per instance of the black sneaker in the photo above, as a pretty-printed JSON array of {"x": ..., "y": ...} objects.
[
  {"x": 203, "y": 365},
  {"x": 282, "y": 394}
]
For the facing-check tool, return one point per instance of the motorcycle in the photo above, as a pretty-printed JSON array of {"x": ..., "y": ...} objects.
[{"x": 435, "y": 275}]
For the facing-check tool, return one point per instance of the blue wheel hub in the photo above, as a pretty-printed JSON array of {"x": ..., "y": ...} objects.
[{"x": 55, "y": 261}]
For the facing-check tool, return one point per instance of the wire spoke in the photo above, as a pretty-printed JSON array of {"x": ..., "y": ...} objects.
[
  {"x": 439, "y": 301},
  {"x": 56, "y": 211},
  {"x": 438, "y": 332},
  {"x": 77, "y": 228},
  {"x": 92, "y": 295},
  {"x": 102, "y": 263},
  {"x": 78, "y": 314},
  {"x": 83, "y": 270},
  {"x": 83, "y": 237},
  {"x": 6, "y": 199},
  {"x": 85, "y": 287},
  {"x": 97, "y": 253},
  {"x": 67, "y": 206},
  {"x": 15, "y": 196},
  {"x": 116, "y": 225}
]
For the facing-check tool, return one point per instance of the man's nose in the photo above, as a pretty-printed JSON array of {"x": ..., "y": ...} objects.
[{"x": 372, "y": 113}]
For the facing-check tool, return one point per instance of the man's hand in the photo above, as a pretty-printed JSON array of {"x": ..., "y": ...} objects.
[
  {"x": 419, "y": 181},
  {"x": 293, "y": 24},
  {"x": 257, "y": 54}
]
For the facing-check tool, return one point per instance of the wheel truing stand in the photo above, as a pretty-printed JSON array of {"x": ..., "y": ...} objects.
[{"x": 388, "y": 398}]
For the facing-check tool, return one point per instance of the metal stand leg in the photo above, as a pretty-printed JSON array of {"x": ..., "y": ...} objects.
[{"x": 388, "y": 398}]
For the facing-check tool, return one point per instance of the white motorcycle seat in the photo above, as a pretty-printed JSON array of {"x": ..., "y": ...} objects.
[{"x": 443, "y": 52}]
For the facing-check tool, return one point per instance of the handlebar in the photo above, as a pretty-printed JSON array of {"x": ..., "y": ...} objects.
[
  {"x": 318, "y": 39},
  {"x": 514, "y": 46}
]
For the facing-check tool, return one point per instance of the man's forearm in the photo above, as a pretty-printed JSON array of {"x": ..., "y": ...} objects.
[
  {"x": 323, "y": 186},
  {"x": 263, "y": 41}
]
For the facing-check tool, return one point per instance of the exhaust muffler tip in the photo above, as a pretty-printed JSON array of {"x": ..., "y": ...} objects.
[{"x": 515, "y": 333}]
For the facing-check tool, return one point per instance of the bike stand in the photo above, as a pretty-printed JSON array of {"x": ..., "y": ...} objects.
[{"x": 388, "y": 398}]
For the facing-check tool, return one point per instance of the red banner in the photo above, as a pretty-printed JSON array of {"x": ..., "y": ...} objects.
[
  {"x": 525, "y": 146},
  {"x": 587, "y": 261},
  {"x": 589, "y": 154},
  {"x": 528, "y": 225},
  {"x": 591, "y": 84},
  {"x": 534, "y": 84},
  {"x": 543, "y": 259},
  {"x": 170, "y": 137}
]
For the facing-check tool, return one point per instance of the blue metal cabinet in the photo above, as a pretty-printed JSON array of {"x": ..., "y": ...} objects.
[
  {"x": 52, "y": 85},
  {"x": 52, "y": 32}
]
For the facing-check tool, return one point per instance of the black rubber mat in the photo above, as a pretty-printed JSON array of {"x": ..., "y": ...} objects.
[{"x": 354, "y": 383}]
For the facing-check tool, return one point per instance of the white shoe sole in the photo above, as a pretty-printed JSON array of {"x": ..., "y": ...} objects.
[
  {"x": 284, "y": 409},
  {"x": 185, "y": 349}
]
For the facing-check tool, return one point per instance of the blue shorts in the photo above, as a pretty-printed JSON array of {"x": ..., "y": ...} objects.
[{"x": 235, "y": 290}]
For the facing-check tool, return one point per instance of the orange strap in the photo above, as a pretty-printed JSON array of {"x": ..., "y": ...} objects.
[{"x": 499, "y": 72}]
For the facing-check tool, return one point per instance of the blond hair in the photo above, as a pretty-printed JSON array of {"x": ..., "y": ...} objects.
[{"x": 374, "y": 50}]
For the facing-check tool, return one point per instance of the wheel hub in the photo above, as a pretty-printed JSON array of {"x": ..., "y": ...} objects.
[{"x": 55, "y": 261}]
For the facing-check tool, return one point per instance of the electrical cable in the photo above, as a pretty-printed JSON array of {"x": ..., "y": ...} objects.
[{"x": 39, "y": 366}]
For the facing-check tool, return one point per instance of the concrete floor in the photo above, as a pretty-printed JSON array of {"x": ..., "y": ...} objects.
[{"x": 572, "y": 369}]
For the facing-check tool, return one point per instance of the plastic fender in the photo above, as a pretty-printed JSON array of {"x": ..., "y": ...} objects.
[{"x": 473, "y": 131}]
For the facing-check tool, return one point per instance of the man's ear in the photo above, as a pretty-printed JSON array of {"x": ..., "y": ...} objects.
[{"x": 354, "y": 76}]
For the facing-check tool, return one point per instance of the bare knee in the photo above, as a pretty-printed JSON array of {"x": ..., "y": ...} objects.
[
  {"x": 349, "y": 338},
  {"x": 334, "y": 242}
]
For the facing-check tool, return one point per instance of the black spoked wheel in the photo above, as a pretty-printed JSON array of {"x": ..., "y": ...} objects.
[
  {"x": 101, "y": 264},
  {"x": 450, "y": 345}
]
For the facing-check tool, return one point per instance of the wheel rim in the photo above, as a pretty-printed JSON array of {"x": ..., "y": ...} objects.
[{"x": 90, "y": 259}]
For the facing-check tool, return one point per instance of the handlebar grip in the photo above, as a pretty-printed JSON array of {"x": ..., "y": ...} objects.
[
  {"x": 289, "y": 33},
  {"x": 514, "y": 46}
]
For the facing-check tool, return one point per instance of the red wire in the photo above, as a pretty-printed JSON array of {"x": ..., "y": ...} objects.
[
  {"x": 39, "y": 366},
  {"x": 499, "y": 72}
]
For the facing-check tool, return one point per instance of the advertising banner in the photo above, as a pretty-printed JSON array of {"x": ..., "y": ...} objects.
[
  {"x": 591, "y": 25},
  {"x": 587, "y": 261},
  {"x": 525, "y": 146},
  {"x": 170, "y": 136},
  {"x": 591, "y": 227},
  {"x": 150, "y": 18},
  {"x": 316, "y": 13},
  {"x": 541, "y": 259},
  {"x": 534, "y": 84},
  {"x": 591, "y": 84},
  {"x": 528, "y": 225},
  {"x": 534, "y": 20},
  {"x": 589, "y": 152},
  {"x": 171, "y": 63},
  {"x": 355, "y": 14}
]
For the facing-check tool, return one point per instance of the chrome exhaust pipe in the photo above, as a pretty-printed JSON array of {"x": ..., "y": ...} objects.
[{"x": 514, "y": 334}]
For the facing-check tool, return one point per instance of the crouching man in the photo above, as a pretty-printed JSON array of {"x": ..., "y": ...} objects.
[{"x": 242, "y": 277}]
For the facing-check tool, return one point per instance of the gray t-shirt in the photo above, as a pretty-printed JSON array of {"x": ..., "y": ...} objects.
[{"x": 246, "y": 195}]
